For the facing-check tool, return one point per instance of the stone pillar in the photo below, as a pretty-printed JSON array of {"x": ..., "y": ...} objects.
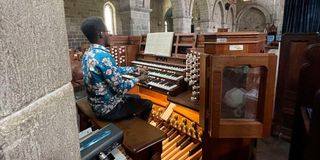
[
  {"x": 135, "y": 17},
  {"x": 182, "y": 24},
  {"x": 181, "y": 16},
  {"x": 206, "y": 26},
  {"x": 37, "y": 109}
]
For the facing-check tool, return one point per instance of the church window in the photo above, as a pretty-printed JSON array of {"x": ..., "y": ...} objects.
[{"x": 110, "y": 18}]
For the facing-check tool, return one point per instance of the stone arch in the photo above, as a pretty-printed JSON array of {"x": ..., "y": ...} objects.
[
  {"x": 168, "y": 19},
  {"x": 218, "y": 15},
  {"x": 253, "y": 7},
  {"x": 230, "y": 18},
  {"x": 204, "y": 22}
]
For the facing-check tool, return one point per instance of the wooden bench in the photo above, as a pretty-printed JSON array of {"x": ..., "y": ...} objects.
[{"x": 141, "y": 140}]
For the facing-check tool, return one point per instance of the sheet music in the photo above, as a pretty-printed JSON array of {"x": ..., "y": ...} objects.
[{"x": 159, "y": 44}]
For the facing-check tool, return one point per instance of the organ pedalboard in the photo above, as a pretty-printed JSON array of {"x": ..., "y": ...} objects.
[
  {"x": 183, "y": 140},
  {"x": 163, "y": 77},
  {"x": 193, "y": 74}
]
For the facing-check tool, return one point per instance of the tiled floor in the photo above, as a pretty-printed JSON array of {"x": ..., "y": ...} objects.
[{"x": 272, "y": 149}]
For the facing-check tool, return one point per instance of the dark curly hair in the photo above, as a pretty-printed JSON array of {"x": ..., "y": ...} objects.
[{"x": 91, "y": 27}]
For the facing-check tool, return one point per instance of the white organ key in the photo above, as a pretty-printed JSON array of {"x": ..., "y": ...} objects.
[
  {"x": 165, "y": 76},
  {"x": 162, "y": 86},
  {"x": 179, "y": 69}
]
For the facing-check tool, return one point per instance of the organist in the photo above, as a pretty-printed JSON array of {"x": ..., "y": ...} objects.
[{"x": 104, "y": 84}]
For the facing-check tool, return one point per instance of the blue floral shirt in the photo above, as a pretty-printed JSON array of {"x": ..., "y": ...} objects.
[{"x": 102, "y": 78}]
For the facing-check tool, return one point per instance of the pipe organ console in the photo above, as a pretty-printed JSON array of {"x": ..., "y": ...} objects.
[{"x": 199, "y": 78}]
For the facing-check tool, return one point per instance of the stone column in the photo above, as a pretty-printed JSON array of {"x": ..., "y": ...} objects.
[
  {"x": 38, "y": 117},
  {"x": 135, "y": 17},
  {"x": 182, "y": 24},
  {"x": 206, "y": 26},
  {"x": 181, "y": 16}
]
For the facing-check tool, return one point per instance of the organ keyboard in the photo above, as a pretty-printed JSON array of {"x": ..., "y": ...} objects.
[
  {"x": 161, "y": 66},
  {"x": 166, "y": 78}
]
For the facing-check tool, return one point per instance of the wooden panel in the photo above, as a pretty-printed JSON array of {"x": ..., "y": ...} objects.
[
  {"x": 221, "y": 43},
  {"x": 134, "y": 40},
  {"x": 244, "y": 129},
  {"x": 227, "y": 148},
  {"x": 131, "y": 54},
  {"x": 306, "y": 130},
  {"x": 119, "y": 40},
  {"x": 292, "y": 57},
  {"x": 155, "y": 97},
  {"x": 190, "y": 114},
  {"x": 134, "y": 90}
]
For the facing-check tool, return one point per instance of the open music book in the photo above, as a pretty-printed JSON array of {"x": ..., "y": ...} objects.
[{"x": 159, "y": 44}]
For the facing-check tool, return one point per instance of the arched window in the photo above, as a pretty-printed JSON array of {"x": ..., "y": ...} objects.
[
  {"x": 165, "y": 26},
  {"x": 110, "y": 18}
]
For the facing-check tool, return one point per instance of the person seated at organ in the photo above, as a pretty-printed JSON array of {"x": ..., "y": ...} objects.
[{"x": 103, "y": 80}]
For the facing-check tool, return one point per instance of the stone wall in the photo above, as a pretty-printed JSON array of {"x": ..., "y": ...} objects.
[
  {"x": 132, "y": 17},
  {"x": 77, "y": 10},
  {"x": 37, "y": 109},
  {"x": 254, "y": 10},
  {"x": 135, "y": 14},
  {"x": 209, "y": 15},
  {"x": 205, "y": 15}
]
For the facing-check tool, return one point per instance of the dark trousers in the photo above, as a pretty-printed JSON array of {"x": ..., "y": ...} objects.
[{"x": 131, "y": 106}]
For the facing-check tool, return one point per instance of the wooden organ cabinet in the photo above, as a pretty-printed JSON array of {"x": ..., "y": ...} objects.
[
  {"x": 234, "y": 93},
  {"x": 234, "y": 42},
  {"x": 122, "y": 51},
  {"x": 236, "y": 99}
]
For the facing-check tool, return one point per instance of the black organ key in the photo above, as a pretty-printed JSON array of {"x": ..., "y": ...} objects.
[
  {"x": 195, "y": 149},
  {"x": 173, "y": 136},
  {"x": 185, "y": 143},
  {"x": 182, "y": 140},
  {"x": 170, "y": 132},
  {"x": 166, "y": 130}
]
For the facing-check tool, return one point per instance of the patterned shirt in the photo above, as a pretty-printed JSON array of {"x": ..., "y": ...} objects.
[{"x": 103, "y": 80}]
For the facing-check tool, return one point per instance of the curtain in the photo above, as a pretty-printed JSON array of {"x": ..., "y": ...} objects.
[{"x": 301, "y": 16}]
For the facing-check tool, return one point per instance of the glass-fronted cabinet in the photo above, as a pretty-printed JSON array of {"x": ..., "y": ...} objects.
[{"x": 237, "y": 95}]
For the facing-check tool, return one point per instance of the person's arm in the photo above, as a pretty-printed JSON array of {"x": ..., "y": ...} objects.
[
  {"x": 113, "y": 77},
  {"x": 127, "y": 70}
]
